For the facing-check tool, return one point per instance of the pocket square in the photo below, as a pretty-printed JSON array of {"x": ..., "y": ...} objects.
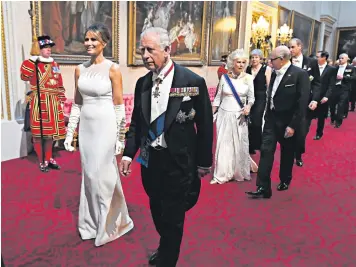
[
  {"x": 186, "y": 98},
  {"x": 289, "y": 85},
  {"x": 309, "y": 69}
]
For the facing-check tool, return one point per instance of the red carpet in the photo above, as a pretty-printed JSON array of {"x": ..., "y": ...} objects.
[{"x": 312, "y": 224}]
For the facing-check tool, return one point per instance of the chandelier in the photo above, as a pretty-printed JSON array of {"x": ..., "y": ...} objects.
[
  {"x": 284, "y": 34},
  {"x": 260, "y": 31}
]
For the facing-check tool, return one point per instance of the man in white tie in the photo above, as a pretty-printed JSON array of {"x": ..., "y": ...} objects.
[
  {"x": 287, "y": 101},
  {"x": 345, "y": 74},
  {"x": 327, "y": 80},
  {"x": 172, "y": 125},
  {"x": 309, "y": 65}
]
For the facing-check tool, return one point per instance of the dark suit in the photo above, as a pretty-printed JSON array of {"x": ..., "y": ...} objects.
[
  {"x": 327, "y": 86},
  {"x": 290, "y": 102},
  {"x": 353, "y": 94},
  {"x": 170, "y": 180},
  {"x": 341, "y": 95},
  {"x": 311, "y": 66}
]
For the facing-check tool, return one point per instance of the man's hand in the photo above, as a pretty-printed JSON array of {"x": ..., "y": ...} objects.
[
  {"x": 203, "y": 171},
  {"x": 324, "y": 100},
  {"x": 313, "y": 105},
  {"x": 125, "y": 169},
  {"x": 289, "y": 132}
]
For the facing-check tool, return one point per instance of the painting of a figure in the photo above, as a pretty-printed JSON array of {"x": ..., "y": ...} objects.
[
  {"x": 284, "y": 16},
  {"x": 315, "y": 39},
  {"x": 66, "y": 22},
  {"x": 183, "y": 20},
  {"x": 224, "y": 29},
  {"x": 302, "y": 26},
  {"x": 346, "y": 42}
]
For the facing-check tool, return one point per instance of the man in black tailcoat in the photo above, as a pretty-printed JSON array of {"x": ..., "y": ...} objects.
[
  {"x": 172, "y": 125},
  {"x": 309, "y": 65},
  {"x": 287, "y": 102},
  {"x": 327, "y": 85}
]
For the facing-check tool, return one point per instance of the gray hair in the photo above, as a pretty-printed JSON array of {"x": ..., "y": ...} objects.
[
  {"x": 298, "y": 41},
  {"x": 238, "y": 53},
  {"x": 344, "y": 55},
  {"x": 164, "y": 40},
  {"x": 257, "y": 52},
  {"x": 283, "y": 51},
  {"x": 354, "y": 60}
]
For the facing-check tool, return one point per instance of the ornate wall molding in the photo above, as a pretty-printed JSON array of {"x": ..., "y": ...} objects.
[
  {"x": 5, "y": 69},
  {"x": 329, "y": 21}
]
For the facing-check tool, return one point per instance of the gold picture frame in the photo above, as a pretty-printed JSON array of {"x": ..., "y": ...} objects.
[
  {"x": 302, "y": 30},
  {"x": 219, "y": 16},
  {"x": 284, "y": 16},
  {"x": 59, "y": 19},
  {"x": 345, "y": 42},
  {"x": 147, "y": 11},
  {"x": 314, "y": 40}
]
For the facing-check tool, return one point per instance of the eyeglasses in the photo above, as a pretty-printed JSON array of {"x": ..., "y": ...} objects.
[{"x": 273, "y": 59}]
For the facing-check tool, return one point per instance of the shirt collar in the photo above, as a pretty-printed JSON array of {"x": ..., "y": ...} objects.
[
  {"x": 323, "y": 66},
  {"x": 283, "y": 70},
  {"x": 163, "y": 71}
]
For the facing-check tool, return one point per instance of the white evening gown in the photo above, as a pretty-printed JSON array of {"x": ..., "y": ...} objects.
[
  {"x": 103, "y": 213},
  {"x": 232, "y": 159}
]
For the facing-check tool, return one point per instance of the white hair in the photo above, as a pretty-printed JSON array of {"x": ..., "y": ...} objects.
[
  {"x": 164, "y": 40},
  {"x": 344, "y": 55},
  {"x": 257, "y": 52},
  {"x": 238, "y": 53},
  {"x": 354, "y": 60}
]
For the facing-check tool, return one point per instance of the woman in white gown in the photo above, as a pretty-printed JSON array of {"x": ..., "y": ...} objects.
[
  {"x": 103, "y": 213},
  {"x": 232, "y": 159}
]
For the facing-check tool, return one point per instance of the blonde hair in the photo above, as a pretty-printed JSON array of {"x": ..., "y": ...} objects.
[{"x": 238, "y": 53}]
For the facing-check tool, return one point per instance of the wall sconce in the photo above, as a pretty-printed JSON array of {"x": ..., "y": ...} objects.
[{"x": 284, "y": 34}]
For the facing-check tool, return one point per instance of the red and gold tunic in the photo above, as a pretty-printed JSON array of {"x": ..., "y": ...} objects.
[{"x": 52, "y": 94}]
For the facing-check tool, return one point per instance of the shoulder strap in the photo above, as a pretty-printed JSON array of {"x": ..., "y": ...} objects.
[{"x": 233, "y": 91}]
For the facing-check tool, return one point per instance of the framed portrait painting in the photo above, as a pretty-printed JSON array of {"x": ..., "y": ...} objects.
[
  {"x": 66, "y": 22},
  {"x": 316, "y": 37},
  {"x": 346, "y": 42},
  {"x": 302, "y": 26},
  {"x": 185, "y": 22},
  {"x": 224, "y": 29},
  {"x": 284, "y": 16}
]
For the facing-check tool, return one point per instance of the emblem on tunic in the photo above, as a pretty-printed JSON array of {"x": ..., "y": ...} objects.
[
  {"x": 156, "y": 93},
  {"x": 52, "y": 82},
  {"x": 182, "y": 117}
]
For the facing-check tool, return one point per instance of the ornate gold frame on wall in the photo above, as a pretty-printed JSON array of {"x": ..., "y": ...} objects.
[
  {"x": 312, "y": 37},
  {"x": 338, "y": 30},
  {"x": 5, "y": 70},
  {"x": 234, "y": 45},
  {"x": 76, "y": 59},
  {"x": 280, "y": 9},
  {"x": 311, "y": 31},
  {"x": 134, "y": 59}
]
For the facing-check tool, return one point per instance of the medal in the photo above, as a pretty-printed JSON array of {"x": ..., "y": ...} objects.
[{"x": 159, "y": 80}]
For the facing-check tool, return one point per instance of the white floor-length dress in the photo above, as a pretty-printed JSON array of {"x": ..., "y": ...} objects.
[
  {"x": 232, "y": 159},
  {"x": 103, "y": 213}
]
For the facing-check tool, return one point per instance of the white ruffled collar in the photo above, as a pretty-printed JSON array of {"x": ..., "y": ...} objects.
[{"x": 42, "y": 59}]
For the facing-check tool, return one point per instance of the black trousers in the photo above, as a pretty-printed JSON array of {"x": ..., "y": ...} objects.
[
  {"x": 301, "y": 134},
  {"x": 353, "y": 98},
  {"x": 340, "y": 99},
  {"x": 172, "y": 190},
  {"x": 321, "y": 115},
  {"x": 273, "y": 132}
]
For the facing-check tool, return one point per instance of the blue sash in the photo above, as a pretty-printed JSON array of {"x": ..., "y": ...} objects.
[
  {"x": 156, "y": 129},
  {"x": 233, "y": 90}
]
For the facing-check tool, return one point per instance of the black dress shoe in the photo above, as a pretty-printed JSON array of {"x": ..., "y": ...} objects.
[
  {"x": 318, "y": 137},
  {"x": 337, "y": 126},
  {"x": 54, "y": 166},
  {"x": 282, "y": 187},
  {"x": 299, "y": 162},
  {"x": 260, "y": 192},
  {"x": 44, "y": 168},
  {"x": 154, "y": 258}
]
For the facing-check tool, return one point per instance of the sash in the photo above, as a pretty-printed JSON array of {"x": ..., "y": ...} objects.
[
  {"x": 234, "y": 91},
  {"x": 155, "y": 130}
]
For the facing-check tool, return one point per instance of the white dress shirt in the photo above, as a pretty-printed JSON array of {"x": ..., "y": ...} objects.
[
  {"x": 280, "y": 73},
  {"x": 341, "y": 71},
  {"x": 322, "y": 68},
  {"x": 159, "y": 104},
  {"x": 298, "y": 61}
]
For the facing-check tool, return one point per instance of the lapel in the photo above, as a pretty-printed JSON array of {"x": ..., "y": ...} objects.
[
  {"x": 285, "y": 78},
  {"x": 175, "y": 102},
  {"x": 305, "y": 62},
  {"x": 146, "y": 97},
  {"x": 325, "y": 71}
]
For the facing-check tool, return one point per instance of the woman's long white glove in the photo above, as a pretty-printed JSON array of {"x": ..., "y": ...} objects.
[
  {"x": 72, "y": 126},
  {"x": 121, "y": 128}
]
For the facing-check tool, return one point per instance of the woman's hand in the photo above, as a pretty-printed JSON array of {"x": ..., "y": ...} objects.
[{"x": 246, "y": 110}]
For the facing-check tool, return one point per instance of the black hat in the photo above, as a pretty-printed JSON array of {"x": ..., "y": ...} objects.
[
  {"x": 223, "y": 58},
  {"x": 44, "y": 41}
]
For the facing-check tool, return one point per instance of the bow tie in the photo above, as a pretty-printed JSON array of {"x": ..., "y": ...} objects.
[
  {"x": 295, "y": 60},
  {"x": 279, "y": 72}
]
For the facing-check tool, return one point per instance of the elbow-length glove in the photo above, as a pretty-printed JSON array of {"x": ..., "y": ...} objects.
[
  {"x": 121, "y": 128},
  {"x": 72, "y": 126}
]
